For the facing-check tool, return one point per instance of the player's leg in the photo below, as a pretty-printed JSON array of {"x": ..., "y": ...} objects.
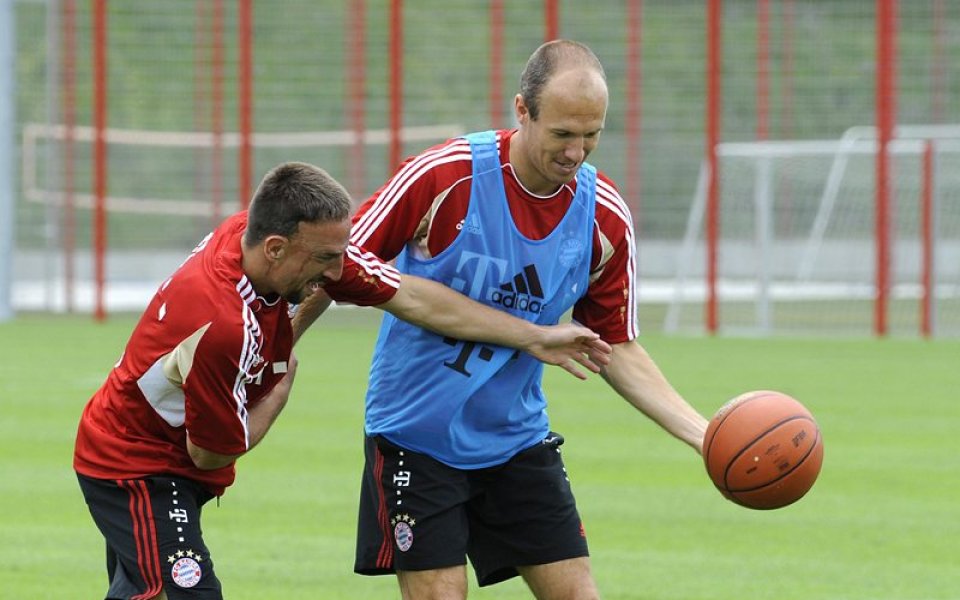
[
  {"x": 152, "y": 529},
  {"x": 569, "y": 579},
  {"x": 412, "y": 521},
  {"x": 436, "y": 584},
  {"x": 525, "y": 521},
  {"x": 188, "y": 569},
  {"x": 112, "y": 563}
]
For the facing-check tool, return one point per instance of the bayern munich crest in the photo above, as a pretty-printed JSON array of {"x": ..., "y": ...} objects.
[
  {"x": 186, "y": 571},
  {"x": 571, "y": 252},
  {"x": 403, "y": 531}
]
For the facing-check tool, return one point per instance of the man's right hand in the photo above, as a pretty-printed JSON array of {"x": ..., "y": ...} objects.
[{"x": 568, "y": 345}]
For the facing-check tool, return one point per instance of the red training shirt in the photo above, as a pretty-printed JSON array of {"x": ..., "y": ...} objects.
[
  {"x": 205, "y": 351},
  {"x": 425, "y": 202}
]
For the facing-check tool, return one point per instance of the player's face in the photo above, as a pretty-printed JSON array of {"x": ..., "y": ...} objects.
[
  {"x": 550, "y": 148},
  {"x": 314, "y": 257}
]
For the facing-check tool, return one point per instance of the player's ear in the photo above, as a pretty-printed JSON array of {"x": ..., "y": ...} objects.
[
  {"x": 520, "y": 110},
  {"x": 274, "y": 247}
]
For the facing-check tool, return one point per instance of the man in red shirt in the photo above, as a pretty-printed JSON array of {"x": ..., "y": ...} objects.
[
  {"x": 503, "y": 215},
  {"x": 209, "y": 367}
]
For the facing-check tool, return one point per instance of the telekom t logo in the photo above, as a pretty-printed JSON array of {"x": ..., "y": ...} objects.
[{"x": 480, "y": 264}]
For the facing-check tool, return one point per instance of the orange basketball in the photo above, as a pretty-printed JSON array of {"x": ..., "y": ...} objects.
[{"x": 763, "y": 450}]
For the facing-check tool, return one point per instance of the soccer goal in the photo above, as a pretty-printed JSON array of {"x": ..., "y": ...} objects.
[
  {"x": 798, "y": 236},
  {"x": 159, "y": 148},
  {"x": 166, "y": 190}
]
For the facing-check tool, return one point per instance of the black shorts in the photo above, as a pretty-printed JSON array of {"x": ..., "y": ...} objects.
[
  {"x": 154, "y": 540},
  {"x": 418, "y": 514}
]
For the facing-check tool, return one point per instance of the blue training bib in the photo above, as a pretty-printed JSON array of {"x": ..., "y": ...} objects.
[{"x": 467, "y": 404}]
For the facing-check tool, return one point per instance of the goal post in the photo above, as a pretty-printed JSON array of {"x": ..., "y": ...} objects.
[
  {"x": 36, "y": 134},
  {"x": 798, "y": 234},
  {"x": 157, "y": 211}
]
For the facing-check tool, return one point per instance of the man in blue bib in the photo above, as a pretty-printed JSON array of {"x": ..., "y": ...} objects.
[{"x": 460, "y": 458}]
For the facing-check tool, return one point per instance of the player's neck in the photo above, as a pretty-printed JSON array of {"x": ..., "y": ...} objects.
[
  {"x": 528, "y": 177},
  {"x": 255, "y": 268}
]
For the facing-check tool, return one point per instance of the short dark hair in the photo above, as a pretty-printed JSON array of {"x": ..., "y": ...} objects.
[
  {"x": 543, "y": 63},
  {"x": 292, "y": 193}
]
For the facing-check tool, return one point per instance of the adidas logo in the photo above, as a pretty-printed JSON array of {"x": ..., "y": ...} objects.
[
  {"x": 521, "y": 292},
  {"x": 471, "y": 226}
]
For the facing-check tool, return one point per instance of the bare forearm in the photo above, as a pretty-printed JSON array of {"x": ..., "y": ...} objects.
[
  {"x": 440, "y": 309},
  {"x": 634, "y": 375},
  {"x": 259, "y": 420},
  {"x": 263, "y": 415},
  {"x": 307, "y": 312}
]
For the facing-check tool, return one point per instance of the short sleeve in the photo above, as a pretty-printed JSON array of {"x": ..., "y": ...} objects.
[{"x": 366, "y": 279}]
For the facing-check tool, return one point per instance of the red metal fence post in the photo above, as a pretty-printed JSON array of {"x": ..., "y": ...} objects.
[
  {"x": 100, "y": 156},
  {"x": 713, "y": 105},
  {"x": 245, "y": 102},
  {"x": 886, "y": 103}
]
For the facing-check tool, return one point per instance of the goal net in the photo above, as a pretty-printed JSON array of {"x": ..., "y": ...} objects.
[
  {"x": 797, "y": 244},
  {"x": 166, "y": 190}
]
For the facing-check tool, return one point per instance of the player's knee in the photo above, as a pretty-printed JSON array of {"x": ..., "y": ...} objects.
[
  {"x": 562, "y": 580},
  {"x": 435, "y": 584}
]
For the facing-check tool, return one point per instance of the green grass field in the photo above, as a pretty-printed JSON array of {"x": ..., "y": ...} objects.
[{"x": 882, "y": 522}]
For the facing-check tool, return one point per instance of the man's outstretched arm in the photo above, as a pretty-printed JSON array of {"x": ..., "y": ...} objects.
[{"x": 436, "y": 307}]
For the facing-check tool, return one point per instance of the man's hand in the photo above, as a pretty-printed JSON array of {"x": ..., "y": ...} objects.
[{"x": 567, "y": 345}]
